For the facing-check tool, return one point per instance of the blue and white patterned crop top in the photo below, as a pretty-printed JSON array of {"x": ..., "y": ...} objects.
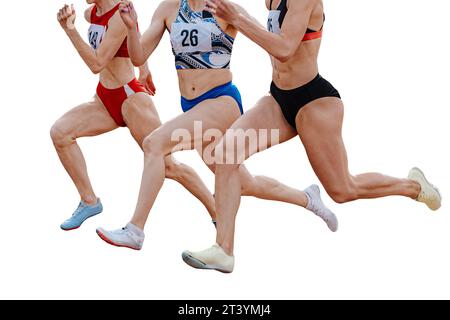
[{"x": 198, "y": 42}]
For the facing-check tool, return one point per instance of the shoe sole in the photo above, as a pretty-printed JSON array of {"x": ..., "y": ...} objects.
[
  {"x": 428, "y": 184},
  {"x": 108, "y": 241},
  {"x": 197, "y": 264},
  {"x": 71, "y": 229}
]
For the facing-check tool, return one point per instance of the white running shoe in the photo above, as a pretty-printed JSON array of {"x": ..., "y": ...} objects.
[
  {"x": 213, "y": 258},
  {"x": 429, "y": 194},
  {"x": 316, "y": 205},
  {"x": 129, "y": 237}
]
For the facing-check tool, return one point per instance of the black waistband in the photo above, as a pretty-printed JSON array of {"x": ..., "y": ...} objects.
[{"x": 316, "y": 78}]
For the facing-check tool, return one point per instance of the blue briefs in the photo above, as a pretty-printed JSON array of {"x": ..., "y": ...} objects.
[{"x": 228, "y": 89}]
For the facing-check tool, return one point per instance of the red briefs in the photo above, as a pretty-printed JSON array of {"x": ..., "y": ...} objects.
[{"x": 113, "y": 99}]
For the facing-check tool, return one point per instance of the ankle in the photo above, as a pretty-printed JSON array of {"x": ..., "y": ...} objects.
[
  {"x": 415, "y": 188},
  {"x": 138, "y": 224},
  {"x": 90, "y": 200},
  {"x": 227, "y": 249},
  {"x": 136, "y": 229}
]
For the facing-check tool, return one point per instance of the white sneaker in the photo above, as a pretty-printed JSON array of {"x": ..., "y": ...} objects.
[
  {"x": 429, "y": 194},
  {"x": 129, "y": 237},
  {"x": 316, "y": 205},
  {"x": 213, "y": 258}
]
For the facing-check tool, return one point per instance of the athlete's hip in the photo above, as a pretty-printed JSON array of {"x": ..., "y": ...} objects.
[
  {"x": 114, "y": 78},
  {"x": 294, "y": 76}
]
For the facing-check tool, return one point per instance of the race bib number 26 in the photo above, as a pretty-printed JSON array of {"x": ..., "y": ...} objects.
[{"x": 188, "y": 38}]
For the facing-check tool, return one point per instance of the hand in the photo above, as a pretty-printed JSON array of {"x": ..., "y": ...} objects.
[
  {"x": 66, "y": 17},
  {"x": 223, "y": 9},
  {"x": 145, "y": 77},
  {"x": 128, "y": 14}
]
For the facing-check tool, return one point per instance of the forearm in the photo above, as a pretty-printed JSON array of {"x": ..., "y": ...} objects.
[
  {"x": 273, "y": 43},
  {"x": 135, "y": 48},
  {"x": 144, "y": 69},
  {"x": 84, "y": 50}
]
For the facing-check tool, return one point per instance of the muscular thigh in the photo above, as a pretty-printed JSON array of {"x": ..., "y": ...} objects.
[
  {"x": 258, "y": 129},
  {"x": 140, "y": 115},
  {"x": 187, "y": 131},
  {"x": 266, "y": 114},
  {"x": 215, "y": 117},
  {"x": 86, "y": 120},
  {"x": 319, "y": 125}
]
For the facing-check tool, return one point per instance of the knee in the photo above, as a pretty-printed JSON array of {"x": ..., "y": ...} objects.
[
  {"x": 153, "y": 146},
  {"x": 61, "y": 135},
  {"x": 342, "y": 194}
]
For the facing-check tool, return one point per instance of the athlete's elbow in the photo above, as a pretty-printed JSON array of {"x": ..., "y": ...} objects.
[
  {"x": 283, "y": 57},
  {"x": 98, "y": 64},
  {"x": 96, "y": 70},
  {"x": 137, "y": 62},
  {"x": 96, "y": 67},
  {"x": 284, "y": 53}
]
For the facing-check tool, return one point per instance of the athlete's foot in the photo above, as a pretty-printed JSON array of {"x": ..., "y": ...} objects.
[
  {"x": 129, "y": 237},
  {"x": 81, "y": 214},
  {"x": 316, "y": 206},
  {"x": 213, "y": 258},
  {"x": 429, "y": 194}
]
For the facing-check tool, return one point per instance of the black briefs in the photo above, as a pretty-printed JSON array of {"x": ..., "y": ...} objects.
[{"x": 291, "y": 101}]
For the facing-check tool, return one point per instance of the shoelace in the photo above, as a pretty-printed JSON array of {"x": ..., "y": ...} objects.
[
  {"x": 128, "y": 233},
  {"x": 422, "y": 193},
  {"x": 317, "y": 210},
  {"x": 322, "y": 213},
  {"x": 209, "y": 252},
  {"x": 325, "y": 217},
  {"x": 81, "y": 206}
]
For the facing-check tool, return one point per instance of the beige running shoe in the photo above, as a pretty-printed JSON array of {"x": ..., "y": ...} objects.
[
  {"x": 213, "y": 258},
  {"x": 429, "y": 194}
]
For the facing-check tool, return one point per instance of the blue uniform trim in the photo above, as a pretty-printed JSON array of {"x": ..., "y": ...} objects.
[{"x": 228, "y": 89}]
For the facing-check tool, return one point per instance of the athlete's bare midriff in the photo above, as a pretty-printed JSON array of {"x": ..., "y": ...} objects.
[
  {"x": 118, "y": 73},
  {"x": 192, "y": 82},
  {"x": 302, "y": 67}
]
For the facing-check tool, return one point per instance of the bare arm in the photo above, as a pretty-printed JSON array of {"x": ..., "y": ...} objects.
[
  {"x": 98, "y": 59},
  {"x": 141, "y": 47},
  {"x": 144, "y": 70},
  {"x": 282, "y": 46},
  {"x": 145, "y": 77}
]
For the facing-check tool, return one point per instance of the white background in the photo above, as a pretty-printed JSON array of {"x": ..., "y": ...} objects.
[{"x": 389, "y": 59}]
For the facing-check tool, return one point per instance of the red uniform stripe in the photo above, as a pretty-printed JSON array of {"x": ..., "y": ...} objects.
[{"x": 312, "y": 36}]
